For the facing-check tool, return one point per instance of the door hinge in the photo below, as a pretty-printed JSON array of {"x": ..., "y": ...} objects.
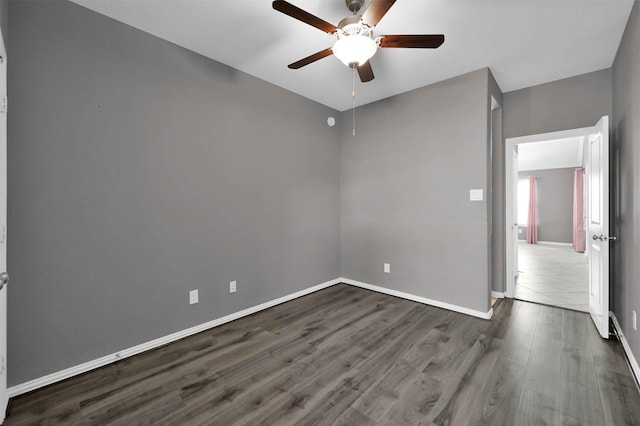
[{"x": 5, "y": 105}]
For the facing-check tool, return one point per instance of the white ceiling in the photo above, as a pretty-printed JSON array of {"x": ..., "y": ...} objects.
[
  {"x": 554, "y": 154},
  {"x": 524, "y": 42}
]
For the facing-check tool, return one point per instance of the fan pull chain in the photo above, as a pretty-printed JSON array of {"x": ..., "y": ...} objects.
[{"x": 353, "y": 98}]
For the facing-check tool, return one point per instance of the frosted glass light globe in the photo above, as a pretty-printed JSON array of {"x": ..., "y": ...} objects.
[{"x": 354, "y": 49}]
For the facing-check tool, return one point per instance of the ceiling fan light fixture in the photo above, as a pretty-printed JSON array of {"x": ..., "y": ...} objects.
[
  {"x": 355, "y": 43},
  {"x": 354, "y": 49}
]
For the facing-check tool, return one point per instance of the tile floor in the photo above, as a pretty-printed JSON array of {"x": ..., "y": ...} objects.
[{"x": 553, "y": 275}]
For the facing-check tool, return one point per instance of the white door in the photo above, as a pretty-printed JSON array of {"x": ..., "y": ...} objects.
[
  {"x": 515, "y": 215},
  {"x": 598, "y": 224},
  {"x": 3, "y": 231}
]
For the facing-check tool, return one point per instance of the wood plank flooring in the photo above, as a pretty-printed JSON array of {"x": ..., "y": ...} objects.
[
  {"x": 553, "y": 275},
  {"x": 349, "y": 356}
]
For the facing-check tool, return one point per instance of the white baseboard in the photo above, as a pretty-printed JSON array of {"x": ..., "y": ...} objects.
[
  {"x": 49, "y": 379},
  {"x": 553, "y": 243},
  {"x": 635, "y": 368},
  {"x": 420, "y": 299},
  {"x": 125, "y": 353},
  {"x": 498, "y": 294}
]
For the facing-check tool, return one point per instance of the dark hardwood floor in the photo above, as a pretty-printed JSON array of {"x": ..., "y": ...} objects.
[{"x": 348, "y": 356}]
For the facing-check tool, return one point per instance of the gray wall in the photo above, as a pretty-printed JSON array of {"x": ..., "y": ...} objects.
[
  {"x": 554, "y": 197},
  {"x": 625, "y": 157},
  {"x": 406, "y": 176},
  {"x": 139, "y": 171},
  {"x": 565, "y": 104}
]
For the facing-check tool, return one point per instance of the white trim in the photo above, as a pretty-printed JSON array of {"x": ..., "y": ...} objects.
[
  {"x": 511, "y": 250},
  {"x": 125, "y": 353},
  {"x": 4, "y": 394},
  {"x": 498, "y": 294},
  {"x": 552, "y": 243},
  {"x": 420, "y": 299},
  {"x": 635, "y": 368},
  {"x": 543, "y": 137}
]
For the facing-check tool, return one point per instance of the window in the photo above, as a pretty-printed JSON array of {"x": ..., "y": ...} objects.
[{"x": 523, "y": 201}]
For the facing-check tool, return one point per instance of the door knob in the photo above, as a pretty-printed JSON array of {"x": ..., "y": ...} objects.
[{"x": 4, "y": 279}]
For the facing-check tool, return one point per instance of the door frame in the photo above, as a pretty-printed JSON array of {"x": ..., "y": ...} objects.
[
  {"x": 510, "y": 180},
  {"x": 4, "y": 395}
]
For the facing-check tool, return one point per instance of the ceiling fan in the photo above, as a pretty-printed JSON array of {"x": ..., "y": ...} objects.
[{"x": 355, "y": 43}]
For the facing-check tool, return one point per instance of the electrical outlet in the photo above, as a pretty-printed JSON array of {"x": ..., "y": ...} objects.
[
  {"x": 387, "y": 268},
  {"x": 193, "y": 297},
  {"x": 232, "y": 287},
  {"x": 635, "y": 321}
]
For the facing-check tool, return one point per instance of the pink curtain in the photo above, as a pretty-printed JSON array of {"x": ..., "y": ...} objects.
[
  {"x": 579, "y": 243},
  {"x": 532, "y": 218}
]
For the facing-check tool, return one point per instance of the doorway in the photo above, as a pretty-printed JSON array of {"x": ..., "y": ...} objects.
[
  {"x": 547, "y": 262},
  {"x": 550, "y": 269}
]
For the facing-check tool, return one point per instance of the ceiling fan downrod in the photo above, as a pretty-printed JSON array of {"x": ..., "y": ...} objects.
[{"x": 354, "y": 5}]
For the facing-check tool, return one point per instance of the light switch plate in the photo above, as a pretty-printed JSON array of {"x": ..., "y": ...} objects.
[
  {"x": 475, "y": 195},
  {"x": 193, "y": 297}
]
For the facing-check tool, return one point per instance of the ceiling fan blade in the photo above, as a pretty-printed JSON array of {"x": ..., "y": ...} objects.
[
  {"x": 310, "y": 59},
  {"x": 412, "y": 41},
  {"x": 301, "y": 15},
  {"x": 376, "y": 11},
  {"x": 365, "y": 72}
]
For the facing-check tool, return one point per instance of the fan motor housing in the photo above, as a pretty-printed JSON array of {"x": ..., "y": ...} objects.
[
  {"x": 352, "y": 25},
  {"x": 349, "y": 22}
]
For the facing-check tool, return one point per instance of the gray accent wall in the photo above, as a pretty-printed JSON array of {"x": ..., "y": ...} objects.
[
  {"x": 554, "y": 197},
  {"x": 406, "y": 177},
  {"x": 569, "y": 103},
  {"x": 139, "y": 171},
  {"x": 625, "y": 157}
]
